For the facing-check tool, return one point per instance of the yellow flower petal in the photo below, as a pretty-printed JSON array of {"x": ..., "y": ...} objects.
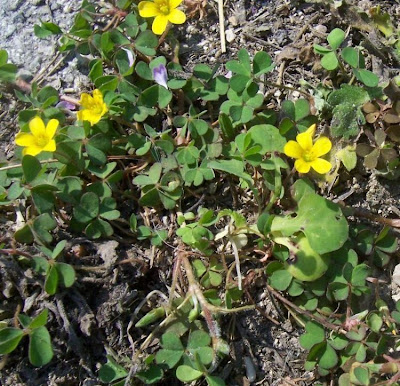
[
  {"x": 305, "y": 140},
  {"x": 321, "y": 166},
  {"x": 51, "y": 128},
  {"x": 36, "y": 126},
  {"x": 88, "y": 115},
  {"x": 86, "y": 100},
  {"x": 311, "y": 130},
  {"x": 321, "y": 146},
  {"x": 174, "y": 3},
  {"x": 32, "y": 150},
  {"x": 176, "y": 16},
  {"x": 302, "y": 166},
  {"x": 148, "y": 9},
  {"x": 25, "y": 139},
  {"x": 293, "y": 149},
  {"x": 159, "y": 24},
  {"x": 51, "y": 146},
  {"x": 97, "y": 96}
]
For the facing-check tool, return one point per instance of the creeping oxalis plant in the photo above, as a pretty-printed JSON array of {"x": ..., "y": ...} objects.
[{"x": 217, "y": 185}]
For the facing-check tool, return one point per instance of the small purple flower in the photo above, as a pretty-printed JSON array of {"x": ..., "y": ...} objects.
[
  {"x": 129, "y": 55},
  {"x": 160, "y": 75},
  {"x": 66, "y": 105}
]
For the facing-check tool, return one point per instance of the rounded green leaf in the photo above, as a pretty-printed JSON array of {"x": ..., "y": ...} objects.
[
  {"x": 9, "y": 339},
  {"x": 152, "y": 375},
  {"x": 281, "y": 279},
  {"x": 31, "y": 167},
  {"x": 314, "y": 334},
  {"x": 351, "y": 56},
  {"x": 262, "y": 63},
  {"x": 51, "y": 282},
  {"x": 366, "y": 77},
  {"x": 40, "y": 348},
  {"x": 187, "y": 374},
  {"x": 88, "y": 208},
  {"x": 111, "y": 371},
  {"x": 66, "y": 274},
  {"x": 329, "y": 61},
  {"x": 361, "y": 375},
  {"x": 40, "y": 320},
  {"x": 336, "y": 37}
]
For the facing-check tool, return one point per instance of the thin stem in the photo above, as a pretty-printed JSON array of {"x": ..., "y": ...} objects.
[
  {"x": 9, "y": 167},
  {"x": 318, "y": 319}
]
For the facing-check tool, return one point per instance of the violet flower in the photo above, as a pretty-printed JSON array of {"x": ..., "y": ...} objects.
[
  {"x": 66, "y": 105},
  {"x": 160, "y": 75}
]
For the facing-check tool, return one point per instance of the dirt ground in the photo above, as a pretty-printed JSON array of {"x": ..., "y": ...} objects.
[{"x": 115, "y": 275}]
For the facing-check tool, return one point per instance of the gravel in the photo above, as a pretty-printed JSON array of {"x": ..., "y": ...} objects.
[{"x": 29, "y": 53}]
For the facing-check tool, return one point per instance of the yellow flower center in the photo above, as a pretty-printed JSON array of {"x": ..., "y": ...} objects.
[
  {"x": 164, "y": 8},
  {"x": 42, "y": 140},
  {"x": 96, "y": 108},
  {"x": 308, "y": 156}
]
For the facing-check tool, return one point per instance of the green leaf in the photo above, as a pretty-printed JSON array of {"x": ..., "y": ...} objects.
[
  {"x": 3, "y": 57},
  {"x": 172, "y": 350},
  {"x": 58, "y": 249},
  {"x": 155, "y": 95},
  {"x": 46, "y": 29},
  {"x": 319, "y": 219},
  {"x": 314, "y": 334},
  {"x": 24, "y": 235},
  {"x": 66, "y": 274},
  {"x": 359, "y": 275},
  {"x": 51, "y": 282},
  {"x": 348, "y": 157},
  {"x": 8, "y": 72},
  {"x": 281, "y": 279},
  {"x": 212, "y": 380},
  {"x": 9, "y": 339},
  {"x": 262, "y": 63},
  {"x": 336, "y": 38},
  {"x": 366, "y": 77},
  {"x": 152, "y": 375},
  {"x": 31, "y": 167},
  {"x": 187, "y": 374},
  {"x": 351, "y": 56},
  {"x": 88, "y": 208},
  {"x": 268, "y": 137},
  {"x": 96, "y": 69},
  {"x": 43, "y": 197},
  {"x": 42, "y": 225},
  {"x": 99, "y": 228},
  {"x": 198, "y": 338},
  {"x": 146, "y": 43},
  {"x": 301, "y": 109},
  {"x": 111, "y": 371},
  {"x": 40, "y": 320},
  {"x": 232, "y": 166},
  {"x": 40, "y": 348},
  {"x": 330, "y": 61},
  {"x": 325, "y": 354},
  {"x": 362, "y": 375}
]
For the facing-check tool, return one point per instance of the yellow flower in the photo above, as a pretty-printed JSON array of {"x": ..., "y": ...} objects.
[
  {"x": 93, "y": 107},
  {"x": 164, "y": 11},
  {"x": 40, "y": 137},
  {"x": 307, "y": 154}
]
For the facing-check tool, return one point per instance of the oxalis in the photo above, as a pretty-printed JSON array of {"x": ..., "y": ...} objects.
[{"x": 201, "y": 150}]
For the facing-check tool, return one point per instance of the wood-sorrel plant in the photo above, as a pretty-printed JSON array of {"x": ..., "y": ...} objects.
[{"x": 152, "y": 139}]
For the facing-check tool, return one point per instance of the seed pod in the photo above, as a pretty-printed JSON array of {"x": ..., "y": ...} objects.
[{"x": 151, "y": 317}]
